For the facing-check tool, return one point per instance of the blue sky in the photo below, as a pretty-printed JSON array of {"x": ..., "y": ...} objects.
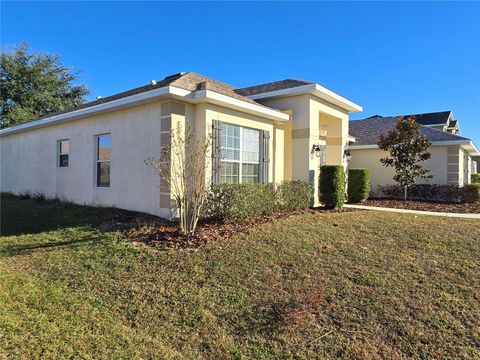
[{"x": 391, "y": 58}]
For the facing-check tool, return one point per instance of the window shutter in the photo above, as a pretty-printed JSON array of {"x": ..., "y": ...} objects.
[
  {"x": 264, "y": 156},
  {"x": 216, "y": 149}
]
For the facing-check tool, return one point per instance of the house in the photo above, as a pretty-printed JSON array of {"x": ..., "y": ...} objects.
[
  {"x": 451, "y": 154},
  {"x": 95, "y": 153}
]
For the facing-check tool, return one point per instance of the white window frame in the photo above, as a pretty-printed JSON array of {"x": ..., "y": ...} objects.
[
  {"x": 240, "y": 161},
  {"x": 59, "y": 152},
  {"x": 97, "y": 161}
]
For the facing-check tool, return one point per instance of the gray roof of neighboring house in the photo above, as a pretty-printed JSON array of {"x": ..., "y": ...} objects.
[
  {"x": 186, "y": 80},
  {"x": 367, "y": 131},
  {"x": 271, "y": 86},
  {"x": 434, "y": 118}
]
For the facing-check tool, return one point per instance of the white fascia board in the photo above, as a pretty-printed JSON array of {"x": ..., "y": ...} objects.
[
  {"x": 466, "y": 144},
  {"x": 334, "y": 98},
  {"x": 315, "y": 89},
  {"x": 148, "y": 96},
  {"x": 80, "y": 113},
  {"x": 227, "y": 101},
  {"x": 352, "y": 138}
]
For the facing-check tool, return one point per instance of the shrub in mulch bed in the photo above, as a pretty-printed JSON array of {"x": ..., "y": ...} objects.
[
  {"x": 443, "y": 193},
  {"x": 468, "y": 208},
  {"x": 165, "y": 234}
]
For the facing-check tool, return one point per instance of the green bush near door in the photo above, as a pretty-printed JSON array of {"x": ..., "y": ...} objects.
[
  {"x": 358, "y": 185},
  {"x": 332, "y": 186},
  {"x": 476, "y": 178}
]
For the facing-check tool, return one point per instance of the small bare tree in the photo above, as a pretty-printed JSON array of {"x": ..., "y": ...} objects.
[{"x": 182, "y": 168}]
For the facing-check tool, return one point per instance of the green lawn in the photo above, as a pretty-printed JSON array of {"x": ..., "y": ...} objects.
[{"x": 337, "y": 285}]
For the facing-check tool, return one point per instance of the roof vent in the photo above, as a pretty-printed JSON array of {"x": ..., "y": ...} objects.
[
  {"x": 99, "y": 97},
  {"x": 174, "y": 75},
  {"x": 154, "y": 82}
]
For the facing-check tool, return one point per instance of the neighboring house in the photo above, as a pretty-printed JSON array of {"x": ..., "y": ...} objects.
[
  {"x": 450, "y": 163},
  {"x": 95, "y": 154},
  {"x": 442, "y": 120}
]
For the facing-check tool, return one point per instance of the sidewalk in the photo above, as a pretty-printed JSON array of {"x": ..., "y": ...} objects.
[{"x": 416, "y": 212}]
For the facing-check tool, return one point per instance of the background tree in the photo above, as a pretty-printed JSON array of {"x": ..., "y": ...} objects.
[
  {"x": 33, "y": 85},
  {"x": 182, "y": 169},
  {"x": 407, "y": 149}
]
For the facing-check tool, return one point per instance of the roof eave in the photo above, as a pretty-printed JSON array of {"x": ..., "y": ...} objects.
[
  {"x": 466, "y": 144},
  {"x": 314, "y": 89},
  {"x": 149, "y": 96}
]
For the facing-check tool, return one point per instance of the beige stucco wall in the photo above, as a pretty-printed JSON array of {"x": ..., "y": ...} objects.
[
  {"x": 381, "y": 175},
  {"x": 310, "y": 115},
  {"x": 29, "y": 160}
]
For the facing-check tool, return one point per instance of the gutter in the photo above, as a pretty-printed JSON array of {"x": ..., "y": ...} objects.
[
  {"x": 467, "y": 144},
  {"x": 314, "y": 89}
]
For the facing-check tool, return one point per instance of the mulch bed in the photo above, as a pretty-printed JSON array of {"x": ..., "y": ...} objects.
[
  {"x": 466, "y": 208},
  {"x": 162, "y": 234}
]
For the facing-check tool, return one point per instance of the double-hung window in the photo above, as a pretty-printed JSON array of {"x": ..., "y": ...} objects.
[
  {"x": 103, "y": 151},
  {"x": 240, "y": 154},
  {"x": 63, "y": 149}
]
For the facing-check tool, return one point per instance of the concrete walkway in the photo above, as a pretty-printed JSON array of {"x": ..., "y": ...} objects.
[{"x": 416, "y": 212}]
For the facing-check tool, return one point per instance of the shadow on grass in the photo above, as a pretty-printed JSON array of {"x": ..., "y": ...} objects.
[
  {"x": 20, "y": 249},
  {"x": 23, "y": 216}
]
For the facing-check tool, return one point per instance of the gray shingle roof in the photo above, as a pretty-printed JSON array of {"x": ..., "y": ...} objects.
[
  {"x": 189, "y": 81},
  {"x": 271, "y": 86},
  {"x": 440, "y": 117},
  {"x": 367, "y": 131}
]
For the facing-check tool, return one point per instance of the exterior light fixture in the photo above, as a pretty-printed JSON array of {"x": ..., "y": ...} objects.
[
  {"x": 347, "y": 154},
  {"x": 316, "y": 150}
]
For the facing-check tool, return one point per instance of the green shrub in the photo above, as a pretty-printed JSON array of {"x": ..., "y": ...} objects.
[
  {"x": 332, "y": 186},
  {"x": 236, "y": 202},
  {"x": 476, "y": 178},
  {"x": 232, "y": 202},
  {"x": 358, "y": 185},
  {"x": 294, "y": 195},
  {"x": 470, "y": 193}
]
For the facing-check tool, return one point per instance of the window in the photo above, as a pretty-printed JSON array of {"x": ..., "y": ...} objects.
[
  {"x": 104, "y": 145},
  {"x": 240, "y": 150},
  {"x": 63, "y": 151}
]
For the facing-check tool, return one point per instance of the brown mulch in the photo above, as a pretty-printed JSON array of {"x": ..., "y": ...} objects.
[
  {"x": 164, "y": 234},
  {"x": 466, "y": 208}
]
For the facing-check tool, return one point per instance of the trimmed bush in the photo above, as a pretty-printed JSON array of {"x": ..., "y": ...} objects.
[
  {"x": 332, "y": 186},
  {"x": 470, "y": 193},
  {"x": 358, "y": 185},
  {"x": 476, "y": 178},
  {"x": 231, "y": 202},
  {"x": 236, "y": 202},
  {"x": 294, "y": 195},
  {"x": 432, "y": 192}
]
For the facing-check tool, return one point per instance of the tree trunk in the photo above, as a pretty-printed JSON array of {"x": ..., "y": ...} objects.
[{"x": 405, "y": 193}]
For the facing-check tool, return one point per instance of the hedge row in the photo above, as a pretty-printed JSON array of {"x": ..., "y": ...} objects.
[
  {"x": 233, "y": 202},
  {"x": 432, "y": 192}
]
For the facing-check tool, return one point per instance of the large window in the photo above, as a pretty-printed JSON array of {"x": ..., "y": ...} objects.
[
  {"x": 104, "y": 146},
  {"x": 240, "y": 150},
  {"x": 63, "y": 152}
]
